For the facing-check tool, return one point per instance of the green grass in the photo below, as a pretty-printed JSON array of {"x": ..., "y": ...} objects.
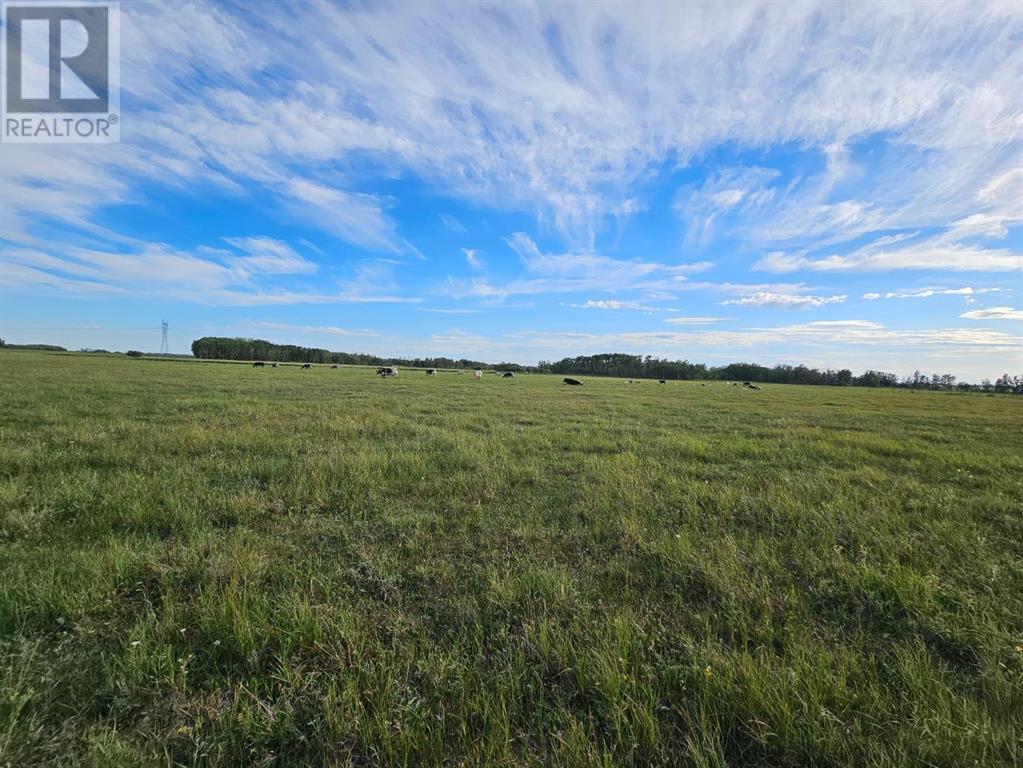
[{"x": 209, "y": 564}]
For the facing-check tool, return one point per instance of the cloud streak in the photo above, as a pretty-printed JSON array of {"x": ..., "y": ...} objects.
[
  {"x": 787, "y": 300},
  {"x": 994, "y": 313}
]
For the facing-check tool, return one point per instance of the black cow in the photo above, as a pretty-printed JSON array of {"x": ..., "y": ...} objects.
[
  {"x": 334, "y": 367},
  {"x": 306, "y": 366},
  {"x": 258, "y": 364},
  {"x": 573, "y": 382},
  {"x": 661, "y": 381},
  {"x": 507, "y": 375},
  {"x": 273, "y": 365}
]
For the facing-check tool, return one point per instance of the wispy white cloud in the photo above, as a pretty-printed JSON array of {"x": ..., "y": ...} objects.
[
  {"x": 766, "y": 299},
  {"x": 357, "y": 218},
  {"x": 449, "y": 310},
  {"x": 926, "y": 293},
  {"x": 328, "y": 330},
  {"x": 731, "y": 190},
  {"x": 694, "y": 320},
  {"x": 210, "y": 276},
  {"x": 265, "y": 255},
  {"x": 473, "y": 259},
  {"x": 614, "y": 304},
  {"x": 453, "y": 224},
  {"x": 953, "y": 249},
  {"x": 577, "y": 272},
  {"x": 994, "y": 313},
  {"x": 951, "y": 258}
]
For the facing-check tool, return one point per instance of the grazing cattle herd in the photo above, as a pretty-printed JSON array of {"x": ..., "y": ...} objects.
[{"x": 390, "y": 372}]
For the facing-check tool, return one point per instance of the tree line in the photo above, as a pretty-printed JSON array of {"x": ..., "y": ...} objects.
[
  {"x": 640, "y": 367},
  {"x": 222, "y": 348},
  {"x": 614, "y": 364}
]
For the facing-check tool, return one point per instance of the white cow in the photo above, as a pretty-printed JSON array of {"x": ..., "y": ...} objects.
[{"x": 477, "y": 374}]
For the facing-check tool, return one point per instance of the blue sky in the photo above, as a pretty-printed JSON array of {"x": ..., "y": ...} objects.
[{"x": 818, "y": 183}]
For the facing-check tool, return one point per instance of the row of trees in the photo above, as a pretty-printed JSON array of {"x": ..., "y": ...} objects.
[
  {"x": 39, "y": 347},
  {"x": 222, "y": 348},
  {"x": 614, "y": 364},
  {"x": 639, "y": 367}
]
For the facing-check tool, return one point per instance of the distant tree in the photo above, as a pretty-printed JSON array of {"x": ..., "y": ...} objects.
[
  {"x": 876, "y": 379},
  {"x": 1005, "y": 383}
]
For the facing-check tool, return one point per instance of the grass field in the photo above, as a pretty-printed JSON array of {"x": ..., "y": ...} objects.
[{"x": 207, "y": 564}]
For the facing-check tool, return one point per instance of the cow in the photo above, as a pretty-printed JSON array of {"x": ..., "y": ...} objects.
[
  {"x": 572, "y": 382},
  {"x": 507, "y": 375},
  {"x": 755, "y": 387},
  {"x": 334, "y": 367},
  {"x": 258, "y": 364},
  {"x": 273, "y": 365},
  {"x": 306, "y": 366},
  {"x": 431, "y": 371},
  {"x": 387, "y": 372},
  {"x": 661, "y": 381},
  {"x": 477, "y": 375}
]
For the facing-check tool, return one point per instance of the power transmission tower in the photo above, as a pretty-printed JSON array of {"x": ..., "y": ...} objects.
[{"x": 164, "y": 349}]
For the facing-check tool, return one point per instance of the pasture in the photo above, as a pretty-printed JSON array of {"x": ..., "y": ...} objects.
[{"x": 211, "y": 564}]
